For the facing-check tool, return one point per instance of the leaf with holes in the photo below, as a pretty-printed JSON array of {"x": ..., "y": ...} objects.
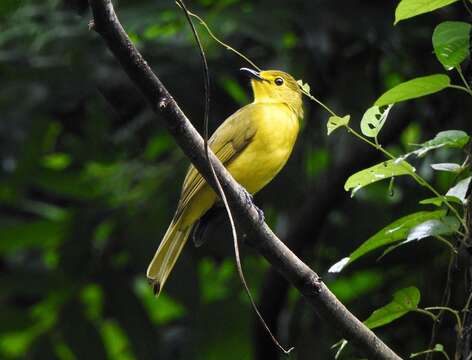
[
  {"x": 304, "y": 86},
  {"x": 375, "y": 173},
  {"x": 409, "y": 8},
  {"x": 335, "y": 122},
  {"x": 404, "y": 301},
  {"x": 451, "y": 40},
  {"x": 414, "y": 88},
  {"x": 374, "y": 119}
]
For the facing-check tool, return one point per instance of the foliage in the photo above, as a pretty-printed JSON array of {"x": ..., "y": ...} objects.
[{"x": 89, "y": 178}]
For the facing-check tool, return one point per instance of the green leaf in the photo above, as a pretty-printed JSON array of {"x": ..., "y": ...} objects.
[
  {"x": 439, "y": 200},
  {"x": 459, "y": 190},
  {"x": 378, "y": 172},
  {"x": 435, "y": 227},
  {"x": 449, "y": 167},
  {"x": 404, "y": 301},
  {"x": 445, "y": 226},
  {"x": 304, "y": 86},
  {"x": 409, "y": 8},
  {"x": 451, "y": 40},
  {"x": 56, "y": 161},
  {"x": 335, "y": 122},
  {"x": 374, "y": 119},
  {"x": 396, "y": 231},
  {"x": 414, "y": 88},
  {"x": 449, "y": 138}
]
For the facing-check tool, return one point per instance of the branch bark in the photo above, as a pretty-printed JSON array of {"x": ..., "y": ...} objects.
[{"x": 106, "y": 23}]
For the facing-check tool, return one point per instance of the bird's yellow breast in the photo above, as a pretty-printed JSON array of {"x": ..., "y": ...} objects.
[{"x": 276, "y": 132}]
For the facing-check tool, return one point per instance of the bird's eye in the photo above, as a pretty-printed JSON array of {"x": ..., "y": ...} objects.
[{"x": 279, "y": 81}]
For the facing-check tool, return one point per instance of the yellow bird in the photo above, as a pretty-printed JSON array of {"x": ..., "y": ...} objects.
[{"x": 253, "y": 144}]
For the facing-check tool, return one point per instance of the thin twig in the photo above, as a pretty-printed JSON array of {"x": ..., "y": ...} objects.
[
  {"x": 220, "y": 189},
  {"x": 207, "y": 28}
]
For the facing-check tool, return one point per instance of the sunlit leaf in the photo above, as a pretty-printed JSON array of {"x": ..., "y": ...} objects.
[
  {"x": 335, "y": 122},
  {"x": 374, "y": 119},
  {"x": 392, "y": 233},
  {"x": 449, "y": 138},
  {"x": 414, "y": 88},
  {"x": 445, "y": 226},
  {"x": 409, "y": 8},
  {"x": 404, "y": 301},
  {"x": 451, "y": 40},
  {"x": 378, "y": 172},
  {"x": 460, "y": 190}
]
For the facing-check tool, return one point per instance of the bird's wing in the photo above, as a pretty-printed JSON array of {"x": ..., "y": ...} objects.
[{"x": 226, "y": 144}]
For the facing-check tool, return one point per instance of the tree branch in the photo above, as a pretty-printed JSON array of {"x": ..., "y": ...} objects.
[{"x": 265, "y": 241}]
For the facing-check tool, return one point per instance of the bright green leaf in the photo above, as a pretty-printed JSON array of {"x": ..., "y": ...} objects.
[
  {"x": 378, "y": 172},
  {"x": 409, "y": 8},
  {"x": 439, "y": 200},
  {"x": 451, "y": 40},
  {"x": 335, "y": 121},
  {"x": 396, "y": 231},
  {"x": 414, "y": 88},
  {"x": 404, "y": 301},
  {"x": 374, "y": 119},
  {"x": 56, "y": 161}
]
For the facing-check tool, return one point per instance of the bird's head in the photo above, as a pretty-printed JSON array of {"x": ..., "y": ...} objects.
[{"x": 276, "y": 86}]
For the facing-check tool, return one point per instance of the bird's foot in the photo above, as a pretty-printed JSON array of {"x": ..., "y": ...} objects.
[
  {"x": 250, "y": 200},
  {"x": 248, "y": 197},
  {"x": 261, "y": 216}
]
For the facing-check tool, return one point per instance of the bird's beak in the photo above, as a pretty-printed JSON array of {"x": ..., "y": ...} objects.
[{"x": 252, "y": 74}]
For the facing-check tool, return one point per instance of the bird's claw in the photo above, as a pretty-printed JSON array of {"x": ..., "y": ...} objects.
[
  {"x": 250, "y": 200},
  {"x": 248, "y": 197},
  {"x": 261, "y": 216}
]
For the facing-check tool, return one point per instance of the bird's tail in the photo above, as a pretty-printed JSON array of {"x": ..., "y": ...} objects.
[{"x": 167, "y": 254}]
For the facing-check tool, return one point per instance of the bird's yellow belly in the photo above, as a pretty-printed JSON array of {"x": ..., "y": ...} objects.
[
  {"x": 264, "y": 157},
  {"x": 257, "y": 164}
]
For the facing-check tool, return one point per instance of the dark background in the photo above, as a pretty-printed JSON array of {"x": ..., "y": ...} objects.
[{"x": 89, "y": 180}]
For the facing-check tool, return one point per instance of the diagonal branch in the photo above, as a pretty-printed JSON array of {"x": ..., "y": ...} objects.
[{"x": 265, "y": 241}]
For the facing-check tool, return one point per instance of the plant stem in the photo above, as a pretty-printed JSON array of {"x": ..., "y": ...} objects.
[
  {"x": 454, "y": 312},
  {"x": 319, "y": 103},
  {"x": 458, "y": 87},
  {"x": 443, "y": 240},
  {"x": 459, "y": 70},
  {"x": 429, "y": 313}
]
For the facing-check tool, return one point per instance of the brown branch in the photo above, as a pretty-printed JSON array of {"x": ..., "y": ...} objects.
[{"x": 265, "y": 241}]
